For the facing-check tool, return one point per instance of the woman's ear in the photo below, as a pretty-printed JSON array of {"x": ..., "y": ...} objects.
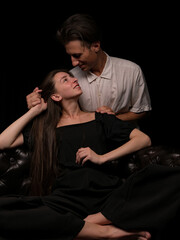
[{"x": 56, "y": 97}]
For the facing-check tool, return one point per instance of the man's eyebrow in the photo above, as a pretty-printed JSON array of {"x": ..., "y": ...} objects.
[{"x": 76, "y": 54}]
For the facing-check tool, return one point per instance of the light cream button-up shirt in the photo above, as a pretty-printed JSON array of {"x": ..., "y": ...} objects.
[{"x": 121, "y": 86}]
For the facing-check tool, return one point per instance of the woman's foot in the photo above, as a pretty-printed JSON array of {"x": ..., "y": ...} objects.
[
  {"x": 107, "y": 232},
  {"x": 117, "y": 233}
]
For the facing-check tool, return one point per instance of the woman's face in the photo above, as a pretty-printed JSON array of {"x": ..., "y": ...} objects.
[{"x": 66, "y": 85}]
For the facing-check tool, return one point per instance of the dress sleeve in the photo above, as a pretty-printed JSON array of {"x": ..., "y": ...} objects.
[{"x": 115, "y": 129}]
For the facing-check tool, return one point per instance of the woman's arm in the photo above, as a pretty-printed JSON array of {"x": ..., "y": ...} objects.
[
  {"x": 12, "y": 135},
  {"x": 138, "y": 140}
]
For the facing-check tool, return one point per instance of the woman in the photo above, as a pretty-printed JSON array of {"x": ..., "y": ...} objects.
[{"x": 70, "y": 167}]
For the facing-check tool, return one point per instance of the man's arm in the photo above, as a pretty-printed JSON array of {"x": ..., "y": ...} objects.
[
  {"x": 128, "y": 116},
  {"x": 131, "y": 116}
]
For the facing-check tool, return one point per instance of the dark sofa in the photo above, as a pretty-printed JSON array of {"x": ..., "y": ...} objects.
[
  {"x": 14, "y": 166},
  {"x": 15, "y": 163}
]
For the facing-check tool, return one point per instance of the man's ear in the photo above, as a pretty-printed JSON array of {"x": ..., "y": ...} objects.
[
  {"x": 56, "y": 97},
  {"x": 96, "y": 46}
]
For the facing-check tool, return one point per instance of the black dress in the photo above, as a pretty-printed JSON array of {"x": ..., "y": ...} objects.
[
  {"x": 82, "y": 190},
  {"x": 79, "y": 190}
]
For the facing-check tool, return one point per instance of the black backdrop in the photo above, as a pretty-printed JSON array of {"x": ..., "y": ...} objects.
[{"x": 145, "y": 33}]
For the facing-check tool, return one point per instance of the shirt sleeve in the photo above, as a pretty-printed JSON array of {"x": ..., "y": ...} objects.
[
  {"x": 116, "y": 130},
  {"x": 140, "y": 95}
]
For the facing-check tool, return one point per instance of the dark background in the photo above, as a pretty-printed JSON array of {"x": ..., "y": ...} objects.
[{"x": 145, "y": 33}]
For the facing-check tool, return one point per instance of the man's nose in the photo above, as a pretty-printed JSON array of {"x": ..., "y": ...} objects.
[{"x": 74, "y": 61}]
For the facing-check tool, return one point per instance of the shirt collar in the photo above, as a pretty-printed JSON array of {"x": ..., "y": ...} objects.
[{"x": 106, "y": 73}]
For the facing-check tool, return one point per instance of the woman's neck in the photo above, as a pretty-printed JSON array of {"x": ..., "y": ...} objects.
[
  {"x": 71, "y": 114},
  {"x": 70, "y": 108},
  {"x": 75, "y": 117}
]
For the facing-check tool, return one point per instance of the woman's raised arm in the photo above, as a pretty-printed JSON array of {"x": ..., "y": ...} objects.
[{"x": 12, "y": 135}]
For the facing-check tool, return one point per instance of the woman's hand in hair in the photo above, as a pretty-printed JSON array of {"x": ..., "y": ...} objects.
[
  {"x": 39, "y": 108},
  {"x": 34, "y": 98}
]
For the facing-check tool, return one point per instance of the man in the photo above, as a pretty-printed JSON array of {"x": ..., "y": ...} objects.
[{"x": 109, "y": 84}]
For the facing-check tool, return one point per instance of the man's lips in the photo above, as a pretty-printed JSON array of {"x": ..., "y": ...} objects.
[{"x": 82, "y": 66}]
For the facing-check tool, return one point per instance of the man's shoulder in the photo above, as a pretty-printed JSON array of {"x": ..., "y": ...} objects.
[
  {"x": 76, "y": 71},
  {"x": 79, "y": 74},
  {"x": 123, "y": 62}
]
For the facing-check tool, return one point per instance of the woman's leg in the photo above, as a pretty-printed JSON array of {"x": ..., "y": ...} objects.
[
  {"x": 97, "y": 218},
  {"x": 29, "y": 219},
  {"x": 96, "y": 231}
]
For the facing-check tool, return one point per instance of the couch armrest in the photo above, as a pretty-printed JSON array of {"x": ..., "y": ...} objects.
[{"x": 159, "y": 154}]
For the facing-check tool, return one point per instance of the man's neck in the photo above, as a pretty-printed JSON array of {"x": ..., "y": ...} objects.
[{"x": 98, "y": 69}]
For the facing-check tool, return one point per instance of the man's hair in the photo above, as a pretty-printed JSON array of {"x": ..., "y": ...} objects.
[{"x": 81, "y": 27}]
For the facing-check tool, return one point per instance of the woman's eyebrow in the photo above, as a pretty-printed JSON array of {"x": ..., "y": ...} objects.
[{"x": 63, "y": 77}]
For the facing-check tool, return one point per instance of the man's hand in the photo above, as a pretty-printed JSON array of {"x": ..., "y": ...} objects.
[
  {"x": 105, "y": 109},
  {"x": 33, "y": 98}
]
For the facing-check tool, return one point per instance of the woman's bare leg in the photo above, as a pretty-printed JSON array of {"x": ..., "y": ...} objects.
[
  {"x": 96, "y": 231},
  {"x": 97, "y": 218}
]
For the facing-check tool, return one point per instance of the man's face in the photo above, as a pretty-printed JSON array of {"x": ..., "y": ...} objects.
[{"x": 82, "y": 56}]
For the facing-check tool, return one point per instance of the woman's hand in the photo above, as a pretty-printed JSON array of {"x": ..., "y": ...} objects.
[
  {"x": 38, "y": 108},
  {"x": 34, "y": 98},
  {"x": 85, "y": 154}
]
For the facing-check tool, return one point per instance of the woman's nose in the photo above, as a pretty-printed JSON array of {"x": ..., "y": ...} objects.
[{"x": 75, "y": 79}]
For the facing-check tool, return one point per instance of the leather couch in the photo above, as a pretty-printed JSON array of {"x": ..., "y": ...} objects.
[
  {"x": 14, "y": 174},
  {"x": 14, "y": 171},
  {"x": 14, "y": 166}
]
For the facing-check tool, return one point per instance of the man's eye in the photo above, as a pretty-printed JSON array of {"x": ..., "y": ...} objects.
[{"x": 76, "y": 55}]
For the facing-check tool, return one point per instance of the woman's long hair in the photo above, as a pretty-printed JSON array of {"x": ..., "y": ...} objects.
[{"x": 44, "y": 168}]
